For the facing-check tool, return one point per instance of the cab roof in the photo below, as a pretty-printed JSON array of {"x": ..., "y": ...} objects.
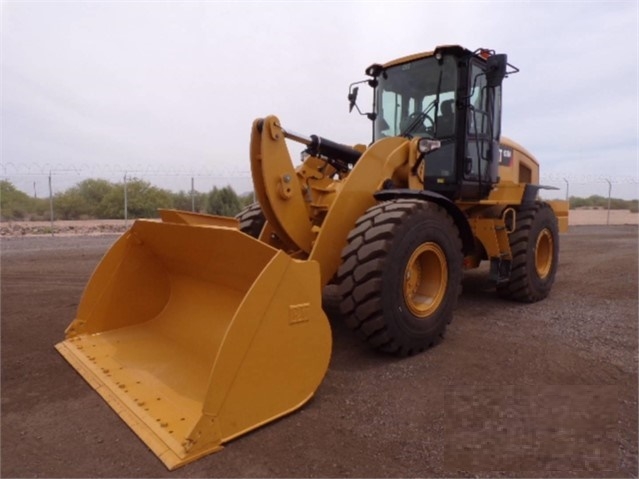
[{"x": 416, "y": 56}]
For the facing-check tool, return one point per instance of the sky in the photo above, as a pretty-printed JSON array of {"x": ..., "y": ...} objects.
[{"x": 167, "y": 91}]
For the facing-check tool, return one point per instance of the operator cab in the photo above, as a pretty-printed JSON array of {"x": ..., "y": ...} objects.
[{"x": 451, "y": 95}]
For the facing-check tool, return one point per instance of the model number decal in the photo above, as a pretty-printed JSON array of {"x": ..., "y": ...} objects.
[{"x": 505, "y": 155}]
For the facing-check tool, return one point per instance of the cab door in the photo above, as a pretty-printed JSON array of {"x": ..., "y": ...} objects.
[{"x": 483, "y": 129}]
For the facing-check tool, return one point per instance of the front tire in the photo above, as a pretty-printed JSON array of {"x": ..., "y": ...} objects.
[
  {"x": 401, "y": 275},
  {"x": 534, "y": 246}
]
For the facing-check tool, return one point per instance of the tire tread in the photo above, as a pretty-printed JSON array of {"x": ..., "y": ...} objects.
[{"x": 359, "y": 278}]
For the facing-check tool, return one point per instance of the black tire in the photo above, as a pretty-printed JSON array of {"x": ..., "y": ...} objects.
[
  {"x": 535, "y": 254},
  {"x": 387, "y": 307},
  {"x": 251, "y": 220}
]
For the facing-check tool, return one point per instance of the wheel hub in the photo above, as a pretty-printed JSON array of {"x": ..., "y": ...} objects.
[
  {"x": 544, "y": 253},
  {"x": 425, "y": 279}
]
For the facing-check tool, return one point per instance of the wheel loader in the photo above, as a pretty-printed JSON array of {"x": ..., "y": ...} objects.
[{"x": 197, "y": 329}]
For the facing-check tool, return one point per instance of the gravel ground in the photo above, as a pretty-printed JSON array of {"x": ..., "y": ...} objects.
[{"x": 541, "y": 390}]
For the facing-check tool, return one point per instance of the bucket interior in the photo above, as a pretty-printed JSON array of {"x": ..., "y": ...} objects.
[{"x": 155, "y": 313}]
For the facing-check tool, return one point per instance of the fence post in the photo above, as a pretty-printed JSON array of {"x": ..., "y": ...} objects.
[
  {"x": 126, "y": 203},
  {"x": 609, "y": 193},
  {"x": 192, "y": 194},
  {"x": 51, "y": 202}
]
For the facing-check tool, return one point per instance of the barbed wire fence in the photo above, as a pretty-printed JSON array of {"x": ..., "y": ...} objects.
[
  {"x": 45, "y": 180},
  {"x": 588, "y": 185}
]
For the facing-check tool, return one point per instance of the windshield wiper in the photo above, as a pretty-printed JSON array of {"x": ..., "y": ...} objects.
[{"x": 419, "y": 119}]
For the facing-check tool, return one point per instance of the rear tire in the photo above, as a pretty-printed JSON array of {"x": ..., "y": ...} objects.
[
  {"x": 251, "y": 220},
  {"x": 401, "y": 275},
  {"x": 535, "y": 253}
]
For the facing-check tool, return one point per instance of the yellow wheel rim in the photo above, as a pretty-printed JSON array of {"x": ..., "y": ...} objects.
[
  {"x": 544, "y": 253},
  {"x": 425, "y": 280}
]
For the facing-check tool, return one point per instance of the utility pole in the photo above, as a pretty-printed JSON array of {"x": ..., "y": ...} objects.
[{"x": 567, "y": 187}]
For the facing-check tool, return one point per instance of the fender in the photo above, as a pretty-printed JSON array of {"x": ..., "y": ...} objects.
[{"x": 466, "y": 233}]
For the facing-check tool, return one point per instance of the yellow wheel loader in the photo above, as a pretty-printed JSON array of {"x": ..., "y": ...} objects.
[{"x": 198, "y": 329}]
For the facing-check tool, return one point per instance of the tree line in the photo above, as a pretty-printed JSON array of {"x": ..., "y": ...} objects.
[{"x": 102, "y": 199}]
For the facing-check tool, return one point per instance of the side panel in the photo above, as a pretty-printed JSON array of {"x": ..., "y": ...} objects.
[
  {"x": 560, "y": 208},
  {"x": 517, "y": 165}
]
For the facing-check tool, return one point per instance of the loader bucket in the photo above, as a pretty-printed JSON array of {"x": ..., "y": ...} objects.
[
  {"x": 190, "y": 218},
  {"x": 195, "y": 335}
]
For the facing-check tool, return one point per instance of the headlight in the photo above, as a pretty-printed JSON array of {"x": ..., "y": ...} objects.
[{"x": 427, "y": 145}]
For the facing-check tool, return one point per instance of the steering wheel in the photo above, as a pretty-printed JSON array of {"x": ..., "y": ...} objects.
[{"x": 425, "y": 127}]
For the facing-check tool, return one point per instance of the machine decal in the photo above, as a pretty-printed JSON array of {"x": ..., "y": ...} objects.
[{"x": 505, "y": 155}]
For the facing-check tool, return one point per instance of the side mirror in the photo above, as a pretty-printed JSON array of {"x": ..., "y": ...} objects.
[
  {"x": 496, "y": 70},
  {"x": 352, "y": 98}
]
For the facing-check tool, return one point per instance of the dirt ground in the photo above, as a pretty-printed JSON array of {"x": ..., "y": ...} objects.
[
  {"x": 541, "y": 390},
  {"x": 578, "y": 217}
]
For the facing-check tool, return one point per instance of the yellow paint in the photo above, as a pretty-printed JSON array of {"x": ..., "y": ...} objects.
[
  {"x": 277, "y": 186},
  {"x": 354, "y": 198},
  {"x": 491, "y": 233},
  {"x": 191, "y": 218},
  {"x": 544, "y": 249},
  {"x": 560, "y": 208},
  {"x": 425, "y": 279},
  {"x": 197, "y": 334}
]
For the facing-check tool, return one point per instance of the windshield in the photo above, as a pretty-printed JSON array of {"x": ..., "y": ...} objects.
[{"x": 406, "y": 90}]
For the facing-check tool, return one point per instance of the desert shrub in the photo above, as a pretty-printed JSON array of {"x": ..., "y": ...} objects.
[
  {"x": 223, "y": 202},
  {"x": 143, "y": 200},
  {"x": 14, "y": 204}
]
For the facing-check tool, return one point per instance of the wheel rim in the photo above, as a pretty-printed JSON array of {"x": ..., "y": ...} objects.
[
  {"x": 544, "y": 253},
  {"x": 425, "y": 280}
]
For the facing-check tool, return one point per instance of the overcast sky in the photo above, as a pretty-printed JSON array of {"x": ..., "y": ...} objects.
[{"x": 168, "y": 90}]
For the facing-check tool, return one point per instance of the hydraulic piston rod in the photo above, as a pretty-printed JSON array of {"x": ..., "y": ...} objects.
[{"x": 319, "y": 146}]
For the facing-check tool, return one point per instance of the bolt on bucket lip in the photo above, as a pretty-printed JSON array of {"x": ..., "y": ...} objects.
[{"x": 159, "y": 435}]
